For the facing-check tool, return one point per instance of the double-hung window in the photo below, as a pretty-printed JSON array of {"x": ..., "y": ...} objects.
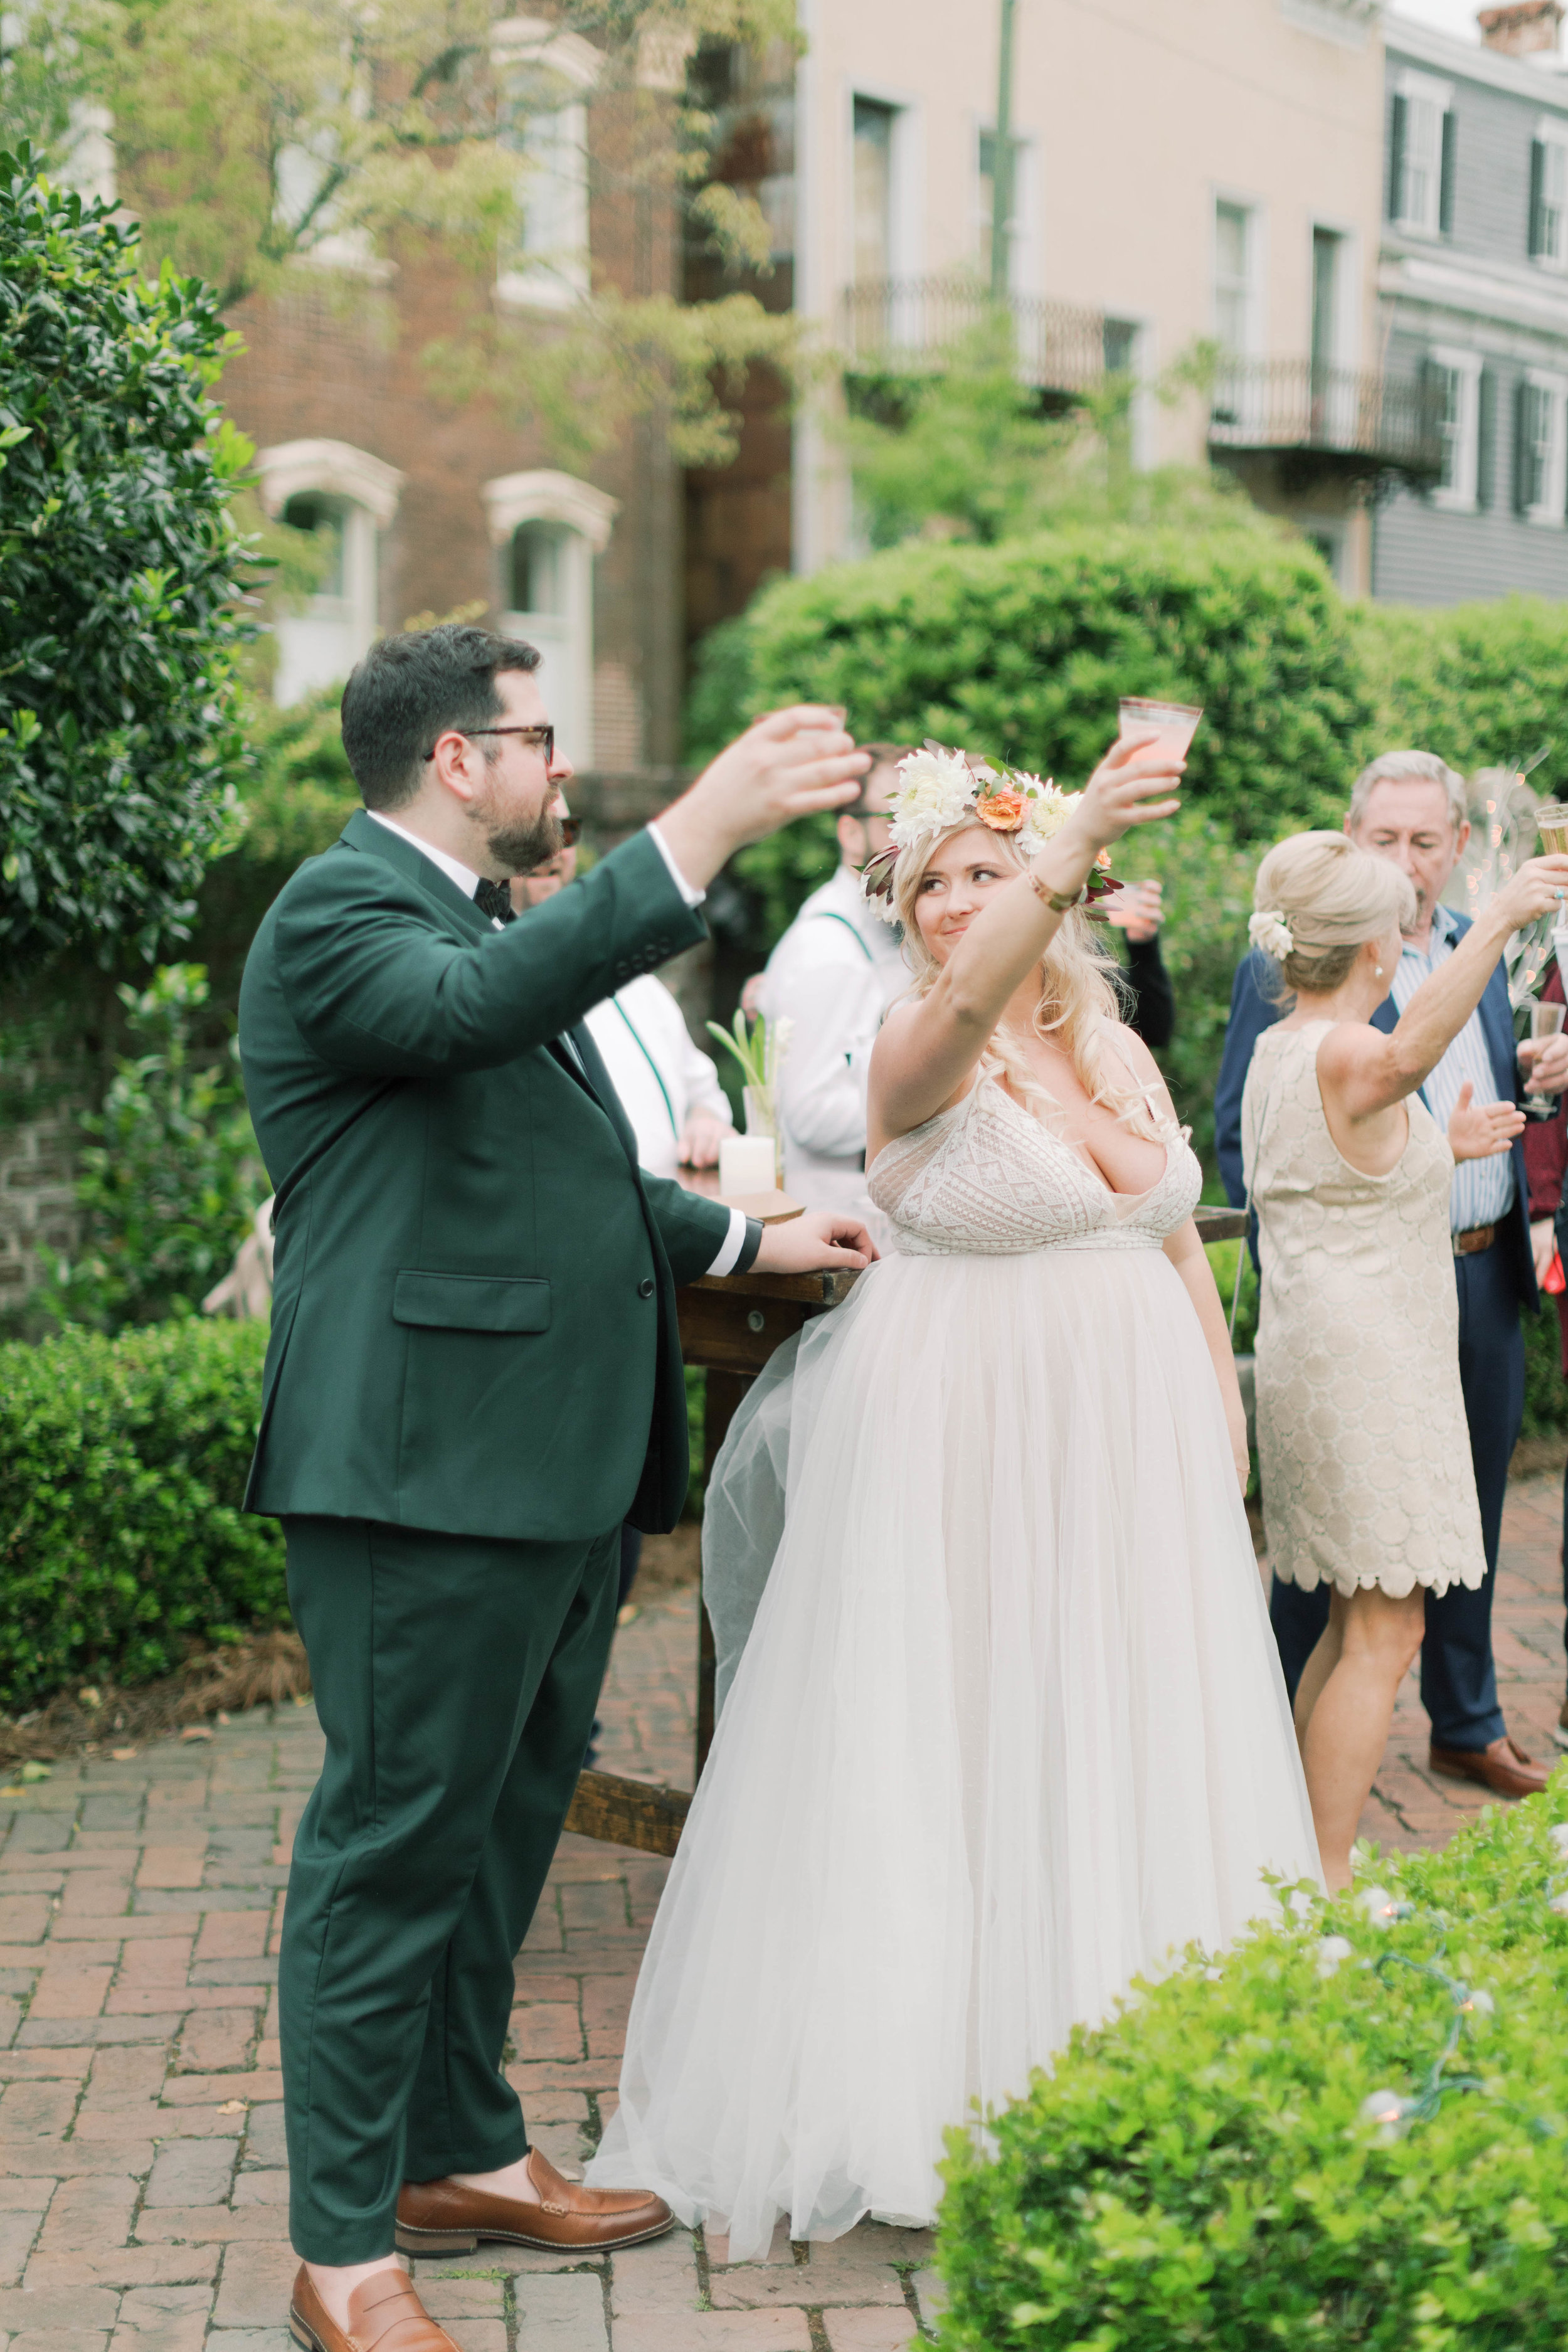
[
  {"x": 1455, "y": 377},
  {"x": 544, "y": 78},
  {"x": 1541, "y": 448},
  {"x": 1422, "y": 155},
  {"x": 1549, "y": 192}
]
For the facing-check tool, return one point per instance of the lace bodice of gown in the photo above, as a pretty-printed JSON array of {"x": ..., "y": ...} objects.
[{"x": 987, "y": 1178}]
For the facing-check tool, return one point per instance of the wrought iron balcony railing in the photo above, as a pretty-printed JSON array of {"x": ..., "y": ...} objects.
[
  {"x": 904, "y": 325},
  {"x": 1347, "y": 419}
]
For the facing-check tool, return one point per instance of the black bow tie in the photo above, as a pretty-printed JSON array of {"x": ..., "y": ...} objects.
[{"x": 493, "y": 899}]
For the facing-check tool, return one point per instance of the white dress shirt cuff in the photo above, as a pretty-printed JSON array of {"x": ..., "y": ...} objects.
[
  {"x": 735, "y": 1239},
  {"x": 692, "y": 898}
]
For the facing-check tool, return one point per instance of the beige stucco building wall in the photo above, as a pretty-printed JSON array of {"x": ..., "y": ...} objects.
[{"x": 1136, "y": 118}]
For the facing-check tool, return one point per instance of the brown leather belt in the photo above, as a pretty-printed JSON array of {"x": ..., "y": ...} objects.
[{"x": 1477, "y": 1238}]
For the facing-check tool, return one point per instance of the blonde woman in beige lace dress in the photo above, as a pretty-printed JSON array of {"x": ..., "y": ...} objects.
[{"x": 1363, "y": 1449}]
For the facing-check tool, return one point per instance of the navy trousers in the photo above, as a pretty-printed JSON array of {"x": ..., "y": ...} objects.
[{"x": 1458, "y": 1680}]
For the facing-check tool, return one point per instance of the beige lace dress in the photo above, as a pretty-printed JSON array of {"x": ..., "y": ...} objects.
[{"x": 1363, "y": 1449}]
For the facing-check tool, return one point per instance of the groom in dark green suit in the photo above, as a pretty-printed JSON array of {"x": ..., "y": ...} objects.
[{"x": 473, "y": 1379}]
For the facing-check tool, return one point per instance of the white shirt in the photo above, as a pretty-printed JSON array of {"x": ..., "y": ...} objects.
[
  {"x": 467, "y": 882},
  {"x": 1483, "y": 1188},
  {"x": 659, "y": 1074},
  {"x": 834, "y": 974}
]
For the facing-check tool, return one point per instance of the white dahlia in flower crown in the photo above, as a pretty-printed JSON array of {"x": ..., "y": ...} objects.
[{"x": 941, "y": 788}]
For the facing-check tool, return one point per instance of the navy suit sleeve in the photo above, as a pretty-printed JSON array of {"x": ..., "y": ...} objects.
[{"x": 1251, "y": 1012}]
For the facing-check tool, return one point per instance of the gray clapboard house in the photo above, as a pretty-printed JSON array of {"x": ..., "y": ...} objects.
[{"x": 1474, "y": 282}]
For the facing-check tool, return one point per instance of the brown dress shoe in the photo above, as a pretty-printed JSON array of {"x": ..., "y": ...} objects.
[
  {"x": 384, "y": 2315},
  {"x": 441, "y": 2216},
  {"x": 1502, "y": 1767}
]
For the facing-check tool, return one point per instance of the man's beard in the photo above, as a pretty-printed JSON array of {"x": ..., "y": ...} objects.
[{"x": 519, "y": 848}]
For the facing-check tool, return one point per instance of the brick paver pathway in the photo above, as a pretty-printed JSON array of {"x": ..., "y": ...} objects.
[{"x": 141, "y": 2162}]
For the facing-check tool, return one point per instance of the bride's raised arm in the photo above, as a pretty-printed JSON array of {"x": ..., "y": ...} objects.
[{"x": 929, "y": 1048}]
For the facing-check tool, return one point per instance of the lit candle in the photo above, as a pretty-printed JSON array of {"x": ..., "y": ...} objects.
[{"x": 746, "y": 1165}]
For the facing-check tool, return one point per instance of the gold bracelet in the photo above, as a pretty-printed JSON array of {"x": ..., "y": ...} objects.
[{"x": 1054, "y": 898}]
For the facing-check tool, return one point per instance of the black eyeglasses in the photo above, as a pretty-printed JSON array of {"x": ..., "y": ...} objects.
[{"x": 543, "y": 738}]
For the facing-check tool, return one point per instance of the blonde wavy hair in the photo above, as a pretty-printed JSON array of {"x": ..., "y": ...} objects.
[
  {"x": 1335, "y": 898},
  {"x": 1080, "y": 988}
]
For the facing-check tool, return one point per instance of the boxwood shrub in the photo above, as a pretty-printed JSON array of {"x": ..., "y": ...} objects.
[
  {"x": 1022, "y": 650},
  {"x": 123, "y": 1463},
  {"x": 1350, "y": 2129}
]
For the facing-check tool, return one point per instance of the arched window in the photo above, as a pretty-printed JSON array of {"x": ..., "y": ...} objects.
[
  {"x": 544, "y": 76},
  {"x": 344, "y": 497},
  {"x": 546, "y": 528}
]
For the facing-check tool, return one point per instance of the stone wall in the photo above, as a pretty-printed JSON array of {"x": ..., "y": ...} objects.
[{"x": 36, "y": 1200}]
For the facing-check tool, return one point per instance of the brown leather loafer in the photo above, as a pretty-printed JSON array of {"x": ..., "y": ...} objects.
[
  {"x": 1503, "y": 1767},
  {"x": 384, "y": 2315},
  {"x": 442, "y": 2217}
]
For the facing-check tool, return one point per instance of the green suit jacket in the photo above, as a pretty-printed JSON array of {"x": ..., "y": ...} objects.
[{"x": 473, "y": 1314}]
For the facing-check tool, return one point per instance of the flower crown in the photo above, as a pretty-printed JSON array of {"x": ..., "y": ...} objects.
[{"x": 941, "y": 788}]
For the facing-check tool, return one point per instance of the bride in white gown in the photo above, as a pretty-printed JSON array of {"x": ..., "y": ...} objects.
[{"x": 1009, "y": 1725}]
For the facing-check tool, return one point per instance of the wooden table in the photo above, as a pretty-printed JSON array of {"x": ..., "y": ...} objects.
[{"x": 730, "y": 1326}]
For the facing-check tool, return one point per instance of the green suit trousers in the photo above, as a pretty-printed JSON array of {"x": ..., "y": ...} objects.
[{"x": 456, "y": 1678}]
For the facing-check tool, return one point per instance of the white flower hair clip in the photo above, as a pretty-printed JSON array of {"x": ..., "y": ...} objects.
[{"x": 1271, "y": 932}]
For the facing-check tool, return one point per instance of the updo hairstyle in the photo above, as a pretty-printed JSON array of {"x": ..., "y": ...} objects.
[{"x": 1333, "y": 897}]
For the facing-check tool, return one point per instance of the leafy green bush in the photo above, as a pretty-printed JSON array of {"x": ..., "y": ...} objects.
[
  {"x": 170, "y": 1184},
  {"x": 122, "y": 1464},
  {"x": 1482, "y": 683},
  {"x": 1022, "y": 650},
  {"x": 119, "y": 737},
  {"x": 1303, "y": 2143}
]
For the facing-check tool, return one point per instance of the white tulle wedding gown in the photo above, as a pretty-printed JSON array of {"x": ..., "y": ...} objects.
[{"x": 1009, "y": 1725}]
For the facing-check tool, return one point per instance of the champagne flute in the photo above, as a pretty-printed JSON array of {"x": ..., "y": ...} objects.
[
  {"x": 1552, "y": 817},
  {"x": 1545, "y": 1021}
]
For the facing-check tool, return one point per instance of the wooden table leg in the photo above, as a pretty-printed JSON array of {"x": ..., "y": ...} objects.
[{"x": 722, "y": 1395}]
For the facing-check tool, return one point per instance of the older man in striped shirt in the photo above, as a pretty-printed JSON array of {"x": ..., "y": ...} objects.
[{"x": 1411, "y": 806}]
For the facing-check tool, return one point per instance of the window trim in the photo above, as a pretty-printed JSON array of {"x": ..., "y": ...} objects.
[
  {"x": 370, "y": 489},
  {"x": 588, "y": 516},
  {"x": 1023, "y": 272},
  {"x": 1462, "y": 496},
  {"x": 905, "y": 218},
  {"x": 1547, "y": 513},
  {"x": 1411, "y": 87},
  {"x": 1550, "y": 131},
  {"x": 1255, "y": 338},
  {"x": 533, "y": 40}
]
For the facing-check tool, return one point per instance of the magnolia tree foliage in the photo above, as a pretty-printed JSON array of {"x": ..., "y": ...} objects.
[
  {"x": 119, "y": 732},
  {"x": 252, "y": 137}
]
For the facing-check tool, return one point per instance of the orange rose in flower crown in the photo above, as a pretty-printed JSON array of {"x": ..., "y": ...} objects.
[{"x": 941, "y": 788}]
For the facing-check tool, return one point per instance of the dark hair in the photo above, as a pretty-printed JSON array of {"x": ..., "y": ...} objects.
[
  {"x": 409, "y": 689},
  {"x": 883, "y": 755}
]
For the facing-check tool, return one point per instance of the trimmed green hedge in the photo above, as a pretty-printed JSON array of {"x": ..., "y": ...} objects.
[
  {"x": 1022, "y": 650},
  {"x": 1482, "y": 683},
  {"x": 1206, "y": 2171},
  {"x": 123, "y": 1463}
]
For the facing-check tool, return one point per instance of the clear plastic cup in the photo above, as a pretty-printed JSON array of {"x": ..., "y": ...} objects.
[{"x": 1175, "y": 723}]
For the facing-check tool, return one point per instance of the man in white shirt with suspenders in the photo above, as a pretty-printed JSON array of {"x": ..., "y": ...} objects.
[
  {"x": 668, "y": 1086},
  {"x": 834, "y": 974}
]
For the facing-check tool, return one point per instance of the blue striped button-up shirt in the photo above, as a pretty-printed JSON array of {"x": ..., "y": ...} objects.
[{"x": 1483, "y": 1188}]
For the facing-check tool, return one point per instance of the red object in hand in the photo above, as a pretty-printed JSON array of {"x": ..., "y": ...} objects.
[{"x": 1556, "y": 1281}]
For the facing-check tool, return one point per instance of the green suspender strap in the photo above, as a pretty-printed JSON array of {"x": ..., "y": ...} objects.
[
  {"x": 826, "y": 915},
  {"x": 653, "y": 1066}
]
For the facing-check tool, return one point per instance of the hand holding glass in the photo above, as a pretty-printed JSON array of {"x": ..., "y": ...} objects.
[
  {"x": 1175, "y": 723},
  {"x": 1545, "y": 1021}
]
